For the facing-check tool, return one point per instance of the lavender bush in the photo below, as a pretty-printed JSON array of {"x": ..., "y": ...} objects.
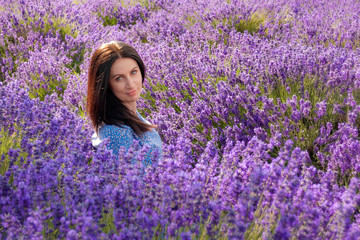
[{"x": 257, "y": 104}]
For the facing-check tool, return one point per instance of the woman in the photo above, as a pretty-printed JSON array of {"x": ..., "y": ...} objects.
[{"x": 116, "y": 76}]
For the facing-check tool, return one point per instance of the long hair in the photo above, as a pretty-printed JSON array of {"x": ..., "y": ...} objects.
[{"x": 102, "y": 105}]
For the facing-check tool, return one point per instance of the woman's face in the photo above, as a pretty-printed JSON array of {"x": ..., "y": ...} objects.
[{"x": 126, "y": 81}]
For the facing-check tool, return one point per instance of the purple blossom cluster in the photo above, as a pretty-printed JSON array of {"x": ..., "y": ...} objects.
[{"x": 257, "y": 104}]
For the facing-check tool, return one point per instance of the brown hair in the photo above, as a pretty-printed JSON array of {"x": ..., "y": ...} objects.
[{"x": 102, "y": 105}]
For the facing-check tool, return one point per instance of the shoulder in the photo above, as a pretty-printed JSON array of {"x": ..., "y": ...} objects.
[{"x": 142, "y": 118}]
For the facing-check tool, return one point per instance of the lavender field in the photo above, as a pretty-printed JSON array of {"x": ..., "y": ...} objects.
[{"x": 257, "y": 104}]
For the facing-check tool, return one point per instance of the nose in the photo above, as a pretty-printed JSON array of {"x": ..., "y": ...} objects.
[{"x": 130, "y": 82}]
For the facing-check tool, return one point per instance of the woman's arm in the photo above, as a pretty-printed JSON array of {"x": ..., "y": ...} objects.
[{"x": 117, "y": 137}]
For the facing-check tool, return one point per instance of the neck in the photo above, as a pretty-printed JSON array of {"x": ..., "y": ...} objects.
[{"x": 131, "y": 106}]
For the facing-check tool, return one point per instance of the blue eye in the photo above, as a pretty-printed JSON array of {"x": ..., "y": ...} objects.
[
  {"x": 134, "y": 72},
  {"x": 118, "y": 78}
]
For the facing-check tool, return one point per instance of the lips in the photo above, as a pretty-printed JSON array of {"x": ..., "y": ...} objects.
[{"x": 132, "y": 93}]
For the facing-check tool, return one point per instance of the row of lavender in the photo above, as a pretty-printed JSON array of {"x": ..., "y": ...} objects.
[{"x": 257, "y": 104}]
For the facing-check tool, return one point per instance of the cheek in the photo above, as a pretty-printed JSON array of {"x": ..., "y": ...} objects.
[
  {"x": 140, "y": 82},
  {"x": 118, "y": 87}
]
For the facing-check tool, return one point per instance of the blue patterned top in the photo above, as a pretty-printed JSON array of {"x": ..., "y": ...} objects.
[{"x": 123, "y": 137}]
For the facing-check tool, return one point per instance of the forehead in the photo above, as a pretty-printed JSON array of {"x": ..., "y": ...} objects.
[{"x": 123, "y": 66}]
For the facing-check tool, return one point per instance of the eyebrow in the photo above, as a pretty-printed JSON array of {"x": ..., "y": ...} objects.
[{"x": 115, "y": 75}]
